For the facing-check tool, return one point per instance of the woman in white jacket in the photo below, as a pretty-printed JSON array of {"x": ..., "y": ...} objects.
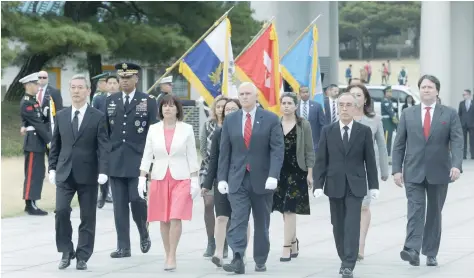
[{"x": 171, "y": 147}]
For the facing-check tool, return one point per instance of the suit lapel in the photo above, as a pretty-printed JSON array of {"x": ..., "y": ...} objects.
[
  {"x": 354, "y": 133},
  {"x": 239, "y": 126},
  {"x": 336, "y": 133},
  {"x": 69, "y": 122},
  {"x": 160, "y": 133},
  {"x": 85, "y": 121},
  {"x": 177, "y": 137},
  {"x": 438, "y": 111},
  {"x": 257, "y": 122},
  {"x": 417, "y": 119}
]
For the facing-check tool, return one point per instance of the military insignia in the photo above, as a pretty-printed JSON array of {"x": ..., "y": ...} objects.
[
  {"x": 124, "y": 66},
  {"x": 140, "y": 130},
  {"x": 27, "y": 98},
  {"x": 137, "y": 123},
  {"x": 142, "y": 106},
  {"x": 144, "y": 123},
  {"x": 215, "y": 77}
]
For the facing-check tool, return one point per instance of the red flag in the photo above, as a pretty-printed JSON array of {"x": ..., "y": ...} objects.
[{"x": 260, "y": 64}]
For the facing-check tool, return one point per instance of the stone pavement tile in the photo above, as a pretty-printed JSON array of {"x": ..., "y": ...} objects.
[{"x": 28, "y": 243}]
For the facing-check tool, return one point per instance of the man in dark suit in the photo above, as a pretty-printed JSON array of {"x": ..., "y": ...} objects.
[
  {"x": 466, "y": 114},
  {"x": 313, "y": 112},
  {"x": 330, "y": 104},
  {"x": 250, "y": 160},
  {"x": 427, "y": 156},
  {"x": 345, "y": 165},
  {"x": 129, "y": 114},
  {"x": 77, "y": 162}
]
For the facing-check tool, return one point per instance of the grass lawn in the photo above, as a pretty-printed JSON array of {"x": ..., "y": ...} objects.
[{"x": 12, "y": 141}]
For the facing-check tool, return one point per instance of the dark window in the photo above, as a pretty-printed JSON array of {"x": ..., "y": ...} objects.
[{"x": 376, "y": 94}]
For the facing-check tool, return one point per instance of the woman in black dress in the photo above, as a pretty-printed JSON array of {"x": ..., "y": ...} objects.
[
  {"x": 222, "y": 205},
  {"x": 291, "y": 196}
]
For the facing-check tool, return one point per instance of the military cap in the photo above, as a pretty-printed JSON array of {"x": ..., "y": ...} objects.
[
  {"x": 168, "y": 79},
  {"x": 30, "y": 78},
  {"x": 101, "y": 76},
  {"x": 388, "y": 88},
  {"x": 127, "y": 69}
]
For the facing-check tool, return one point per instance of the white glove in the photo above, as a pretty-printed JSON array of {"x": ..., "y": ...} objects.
[
  {"x": 48, "y": 145},
  {"x": 141, "y": 187},
  {"x": 318, "y": 193},
  {"x": 271, "y": 183},
  {"x": 374, "y": 193},
  {"x": 195, "y": 188},
  {"x": 102, "y": 179},
  {"x": 45, "y": 111},
  {"x": 52, "y": 176},
  {"x": 223, "y": 187}
]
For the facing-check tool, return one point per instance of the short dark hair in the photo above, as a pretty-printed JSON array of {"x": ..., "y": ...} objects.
[
  {"x": 432, "y": 79},
  {"x": 368, "y": 111},
  {"x": 171, "y": 99},
  {"x": 111, "y": 77},
  {"x": 468, "y": 91},
  {"x": 234, "y": 100}
]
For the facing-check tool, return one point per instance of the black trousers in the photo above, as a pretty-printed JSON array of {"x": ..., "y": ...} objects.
[
  {"x": 468, "y": 131},
  {"x": 345, "y": 220},
  {"x": 34, "y": 175},
  {"x": 124, "y": 191},
  {"x": 87, "y": 196}
]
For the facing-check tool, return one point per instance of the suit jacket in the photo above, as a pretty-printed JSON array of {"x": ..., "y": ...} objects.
[
  {"x": 182, "y": 160},
  {"x": 54, "y": 93},
  {"x": 316, "y": 119},
  {"x": 432, "y": 159},
  {"x": 466, "y": 116},
  {"x": 265, "y": 154},
  {"x": 128, "y": 131},
  {"x": 85, "y": 156},
  {"x": 213, "y": 159},
  {"x": 334, "y": 165}
]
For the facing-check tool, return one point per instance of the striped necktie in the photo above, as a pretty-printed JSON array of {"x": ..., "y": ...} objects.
[
  {"x": 305, "y": 109},
  {"x": 333, "y": 112}
]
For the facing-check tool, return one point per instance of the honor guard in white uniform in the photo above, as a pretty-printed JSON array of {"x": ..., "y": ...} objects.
[
  {"x": 34, "y": 145},
  {"x": 129, "y": 114}
]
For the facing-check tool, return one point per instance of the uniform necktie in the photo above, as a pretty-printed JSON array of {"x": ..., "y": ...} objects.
[
  {"x": 127, "y": 102},
  {"x": 333, "y": 113},
  {"x": 427, "y": 123},
  {"x": 345, "y": 138},
  {"x": 248, "y": 134},
  {"x": 40, "y": 96},
  {"x": 75, "y": 123},
  {"x": 305, "y": 110}
]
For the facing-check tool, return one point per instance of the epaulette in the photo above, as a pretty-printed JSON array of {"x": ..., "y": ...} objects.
[{"x": 26, "y": 98}]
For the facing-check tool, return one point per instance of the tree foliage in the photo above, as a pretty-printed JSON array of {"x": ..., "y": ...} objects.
[{"x": 154, "y": 33}]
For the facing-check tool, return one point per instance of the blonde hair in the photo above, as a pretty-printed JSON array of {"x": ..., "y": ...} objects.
[{"x": 213, "y": 114}]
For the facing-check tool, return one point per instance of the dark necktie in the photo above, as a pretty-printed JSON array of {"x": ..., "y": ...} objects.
[
  {"x": 127, "y": 102},
  {"x": 345, "y": 138},
  {"x": 75, "y": 123}
]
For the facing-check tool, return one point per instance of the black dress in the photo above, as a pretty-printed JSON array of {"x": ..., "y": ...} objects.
[{"x": 291, "y": 194}]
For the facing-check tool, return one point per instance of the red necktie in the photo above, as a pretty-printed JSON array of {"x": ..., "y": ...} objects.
[
  {"x": 427, "y": 123},
  {"x": 248, "y": 134},
  {"x": 40, "y": 96}
]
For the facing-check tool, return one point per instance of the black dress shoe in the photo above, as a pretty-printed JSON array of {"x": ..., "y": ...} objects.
[
  {"x": 217, "y": 261},
  {"x": 121, "y": 253},
  {"x": 295, "y": 255},
  {"x": 260, "y": 268},
  {"x": 66, "y": 259},
  {"x": 411, "y": 256},
  {"x": 145, "y": 245},
  {"x": 341, "y": 270},
  {"x": 347, "y": 273},
  {"x": 237, "y": 265},
  {"x": 431, "y": 261},
  {"x": 100, "y": 202},
  {"x": 81, "y": 265},
  {"x": 35, "y": 211}
]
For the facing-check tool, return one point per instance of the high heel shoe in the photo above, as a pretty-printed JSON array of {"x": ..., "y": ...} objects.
[
  {"x": 295, "y": 255},
  {"x": 282, "y": 259}
]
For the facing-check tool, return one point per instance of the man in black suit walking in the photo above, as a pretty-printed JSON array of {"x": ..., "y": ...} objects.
[
  {"x": 77, "y": 162},
  {"x": 345, "y": 164},
  {"x": 466, "y": 115}
]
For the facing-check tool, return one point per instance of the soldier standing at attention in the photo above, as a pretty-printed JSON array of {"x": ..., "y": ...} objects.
[
  {"x": 389, "y": 119},
  {"x": 34, "y": 146},
  {"x": 101, "y": 88},
  {"x": 166, "y": 87},
  {"x": 129, "y": 114}
]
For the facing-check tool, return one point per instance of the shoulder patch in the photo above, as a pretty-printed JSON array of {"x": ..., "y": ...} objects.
[{"x": 29, "y": 108}]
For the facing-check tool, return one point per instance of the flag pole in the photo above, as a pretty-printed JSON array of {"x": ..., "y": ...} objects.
[
  {"x": 264, "y": 28},
  {"x": 300, "y": 36},
  {"x": 168, "y": 70}
]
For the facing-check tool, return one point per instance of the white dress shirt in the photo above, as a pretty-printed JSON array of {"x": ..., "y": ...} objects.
[
  {"x": 244, "y": 118},
  {"x": 423, "y": 112},
  {"x": 80, "y": 116},
  {"x": 131, "y": 95},
  {"x": 341, "y": 128}
]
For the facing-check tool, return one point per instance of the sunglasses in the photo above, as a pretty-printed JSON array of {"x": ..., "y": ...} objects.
[{"x": 42, "y": 77}]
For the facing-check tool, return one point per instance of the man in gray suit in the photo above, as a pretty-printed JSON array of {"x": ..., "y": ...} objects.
[
  {"x": 430, "y": 157},
  {"x": 313, "y": 112},
  {"x": 250, "y": 160}
]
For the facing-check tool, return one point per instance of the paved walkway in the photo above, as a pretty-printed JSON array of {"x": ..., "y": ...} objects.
[{"x": 28, "y": 244}]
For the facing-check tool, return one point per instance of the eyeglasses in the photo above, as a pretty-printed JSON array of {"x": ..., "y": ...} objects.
[{"x": 42, "y": 77}]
